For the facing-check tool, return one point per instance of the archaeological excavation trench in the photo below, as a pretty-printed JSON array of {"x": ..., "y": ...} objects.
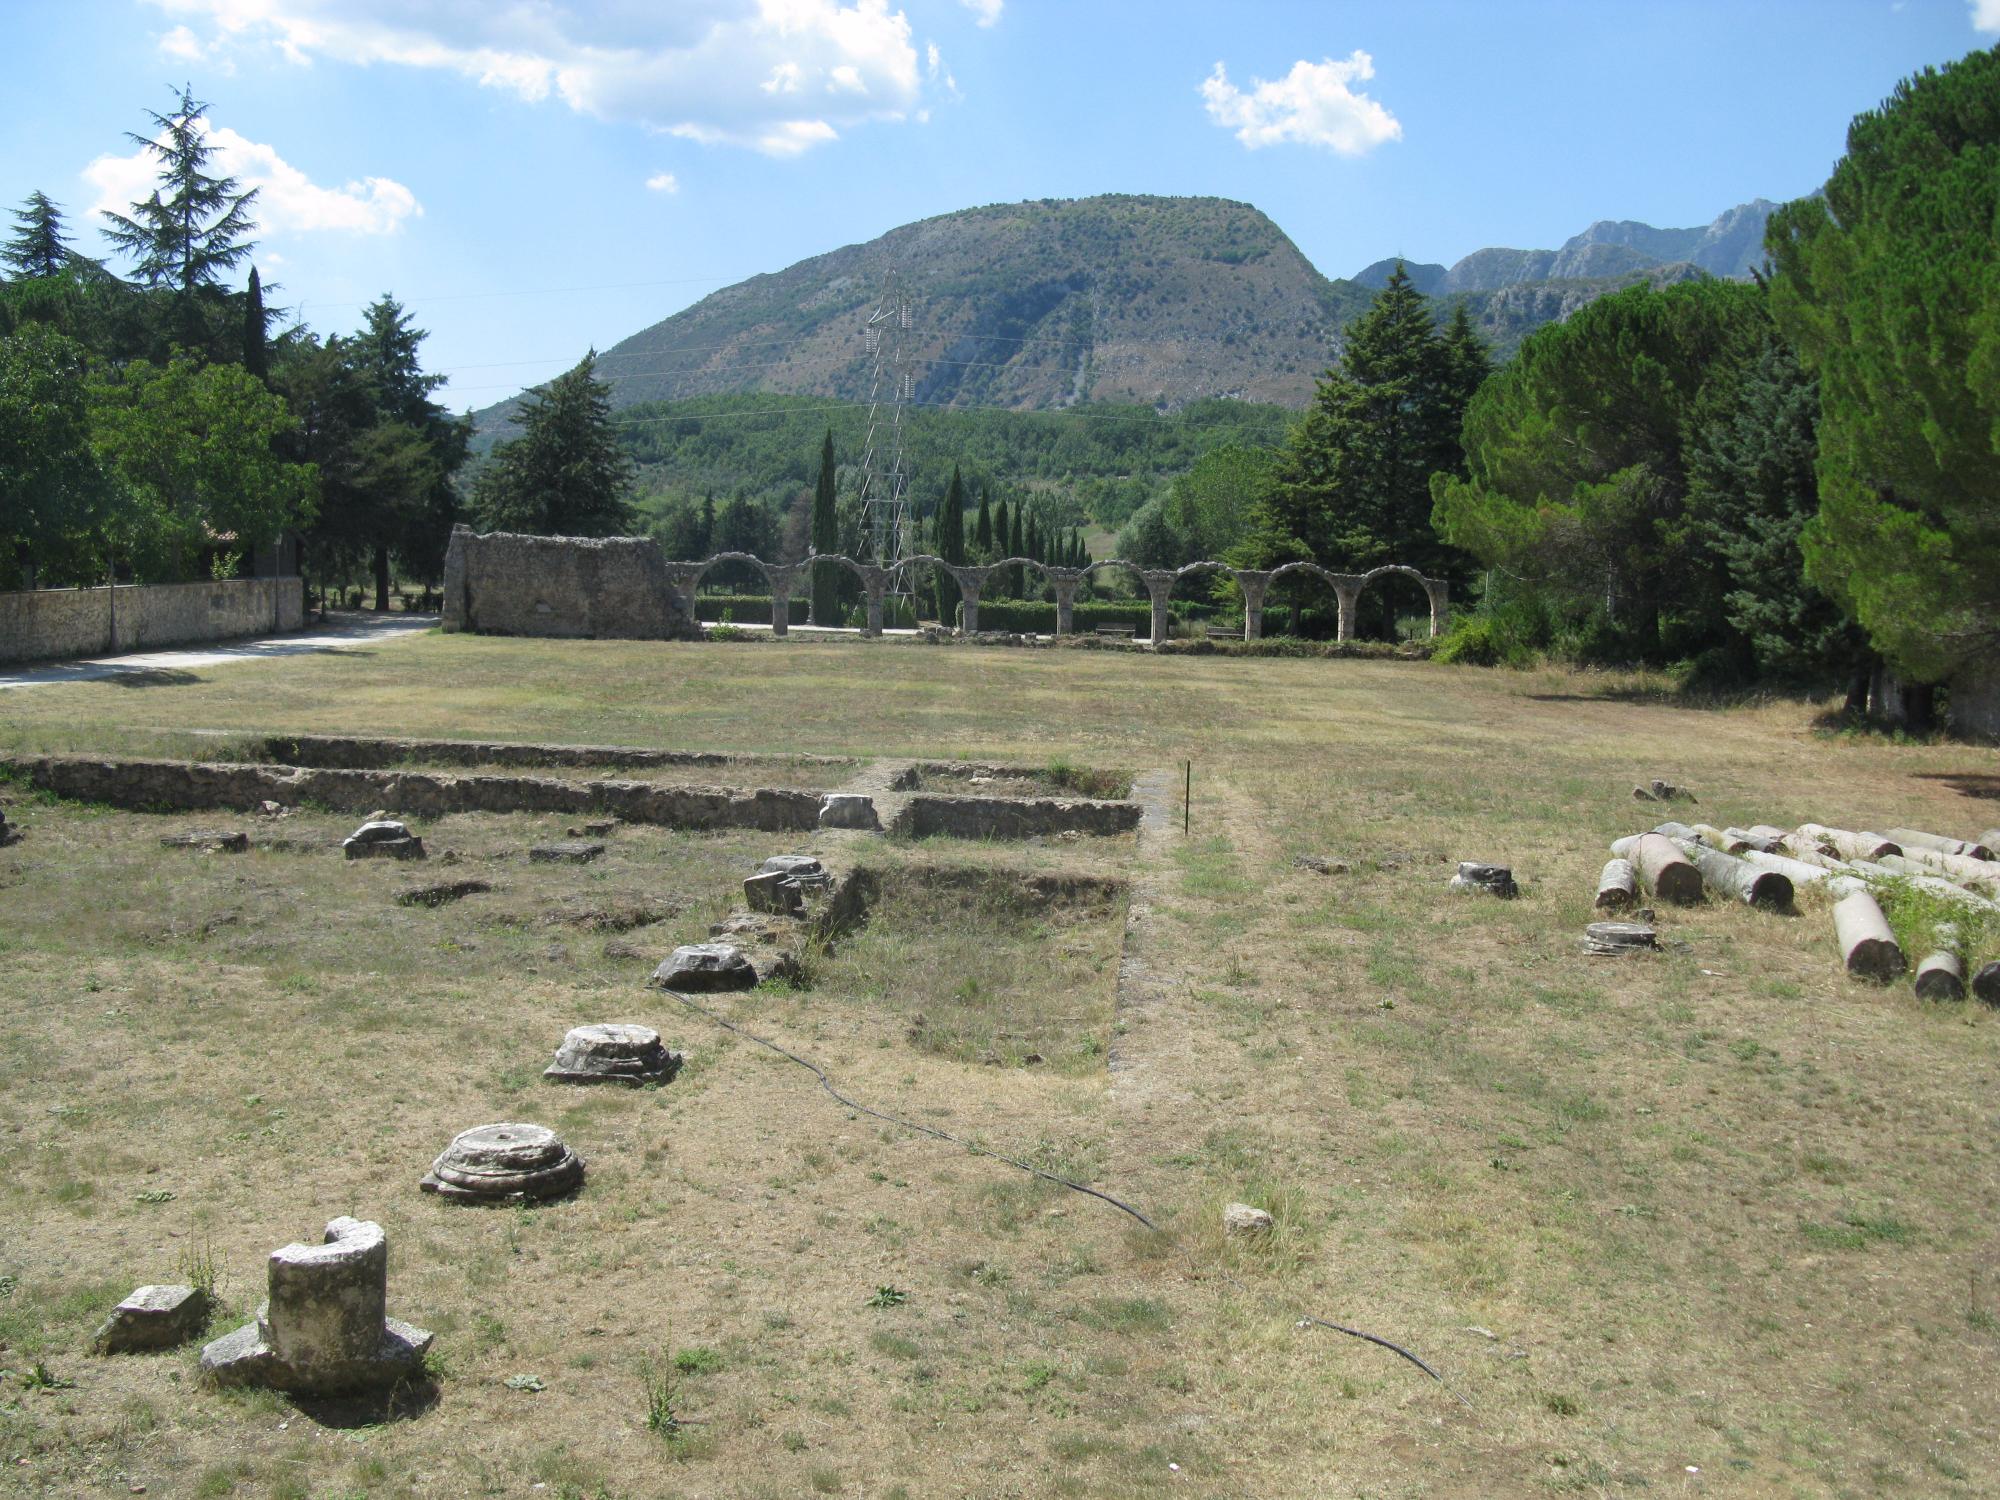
[{"x": 357, "y": 774}]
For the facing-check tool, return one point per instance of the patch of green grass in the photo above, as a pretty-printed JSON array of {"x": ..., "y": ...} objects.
[
  {"x": 1854, "y": 1231},
  {"x": 697, "y": 1359}
]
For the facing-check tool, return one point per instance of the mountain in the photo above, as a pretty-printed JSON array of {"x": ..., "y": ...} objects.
[
  {"x": 1149, "y": 301},
  {"x": 1621, "y": 249},
  {"x": 1034, "y": 305}
]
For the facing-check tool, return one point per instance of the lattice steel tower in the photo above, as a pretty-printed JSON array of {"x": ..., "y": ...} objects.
[{"x": 885, "y": 502}]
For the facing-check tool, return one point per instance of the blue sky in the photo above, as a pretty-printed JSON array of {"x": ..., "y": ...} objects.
[{"x": 534, "y": 177}]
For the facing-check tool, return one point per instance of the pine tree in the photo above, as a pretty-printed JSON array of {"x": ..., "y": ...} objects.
[
  {"x": 825, "y": 538},
  {"x": 195, "y": 226},
  {"x": 950, "y": 546},
  {"x": 256, "y": 328},
  {"x": 566, "y": 475},
  {"x": 38, "y": 246},
  {"x": 982, "y": 534},
  {"x": 1000, "y": 580},
  {"x": 1353, "y": 488}
]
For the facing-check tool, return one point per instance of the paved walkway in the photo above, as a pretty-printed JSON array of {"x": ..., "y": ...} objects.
[{"x": 346, "y": 632}]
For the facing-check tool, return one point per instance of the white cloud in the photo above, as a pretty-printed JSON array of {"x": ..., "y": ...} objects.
[
  {"x": 286, "y": 198},
  {"x": 1312, "y": 105},
  {"x": 988, "y": 11},
  {"x": 736, "y": 72},
  {"x": 1986, "y": 15},
  {"x": 182, "y": 45},
  {"x": 663, "y": 182}
]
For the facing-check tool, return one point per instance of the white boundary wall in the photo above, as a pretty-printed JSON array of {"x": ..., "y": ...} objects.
[{"x": 56, "y": 624}]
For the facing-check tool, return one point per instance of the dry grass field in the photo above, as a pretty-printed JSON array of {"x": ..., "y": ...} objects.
[{"x": 1716, "y": 1221}]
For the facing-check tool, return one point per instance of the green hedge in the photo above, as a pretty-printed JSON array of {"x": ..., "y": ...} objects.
[
  {"x": 1032, "y": 617},
  {"x": 746, "y": 609}
]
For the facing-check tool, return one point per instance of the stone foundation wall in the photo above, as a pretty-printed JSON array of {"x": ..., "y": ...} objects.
[
  {"x": 1011, "y": 817},
  {"x": 607, "y": 588},
  {"x": 190, "y": 785},
  {"x": 55, "y": 624}
]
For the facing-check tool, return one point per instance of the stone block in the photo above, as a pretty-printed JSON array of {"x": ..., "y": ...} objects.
[
  {"x": 505, "y": 1163},
  {"x": 702, "y": 968},
  {"x": 153, "y": 1317},
  {"x": 1245, "y": 1222},
  {"x": 1493, "y": 880},
  {"x": 849, "y": 810},
  {"x": 775, "y": 892},
  {"x": 612, "y": 1052},
  {"x": 382, "y": 838}
]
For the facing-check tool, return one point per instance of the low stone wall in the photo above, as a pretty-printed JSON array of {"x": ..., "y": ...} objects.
[
  {"x": 190, "y": 785},
  {"x": 56, "y": 624},
  {"x": 350, "y": 751},
  {"x": 607, "y": 588},
  {"x": 1011, "y": 817}
]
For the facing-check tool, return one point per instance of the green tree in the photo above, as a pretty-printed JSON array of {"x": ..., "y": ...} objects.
[
  {"x": 1352, "y": 490},
  {"x": 1211, "y": 506},
  {"x": 982, "y": 532},
  {"x": 38, "y": 246},
  {"x": 1016, "y": 547},
  {"x": 412, "y": 500},
  {"x": 1889, "y": 286},
  {"x": 1150, "y": 539},
  {"x": 1577, "y": 462},
  {"x": 1752, "y": 491},
  {"x": 194, "y": 227},
  {"x": 256, "y": 329},
  {"x": 193, "y": 451},
  {"x": 950, "y": 546},
  {"x": 826, "y": 538},
  {"x": 50, "y": 491},
  {"x": 566, "y": 475}
]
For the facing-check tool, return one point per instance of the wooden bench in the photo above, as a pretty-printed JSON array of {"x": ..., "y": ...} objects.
[
  {"x": 1122, "y": 632},
  {"x": 1225, "y": 633}
]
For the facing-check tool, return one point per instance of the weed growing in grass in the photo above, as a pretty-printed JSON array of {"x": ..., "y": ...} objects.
[
  {"x": 661, "y": 1418},
  {"x": 39, "y": 1377},
  {"x": 196, "y": 1266},
  {"x": 697, "y": 1359},
  {"x": 888, "y": 1296}
]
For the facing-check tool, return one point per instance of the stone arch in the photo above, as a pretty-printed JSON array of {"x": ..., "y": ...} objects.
[
  {"x": 1436, "y": 590},
  {"x": 1343, "y": 586}
]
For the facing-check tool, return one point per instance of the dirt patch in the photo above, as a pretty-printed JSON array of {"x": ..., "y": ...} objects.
[{"x": 969, "y": 778}]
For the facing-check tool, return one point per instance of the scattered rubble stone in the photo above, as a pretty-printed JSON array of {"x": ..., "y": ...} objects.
[
  {"x": 153, "y": 1317},
  {"x": 382, "y": 838},
  {"x": 594, "y": 830},
  {"x": 849, "y": 810},
  {"x": 1494, "y": 880},
  {"x": 612, "y": 1052},
  {"x": 208, "y": 840},
  {"x": 774, "y": 891},
  {"x": 804, "y": 868},
  {"x": 505, "y": 1163},
  {"x": 440, "y": 895},
  {"x": 1612, "y": 938},
  {"x": 566, "y": 851},
  {"x": 706, "y": 967},
  {"x": 751, "y": 926},
  {"x": 618, "y": 948},
  {"x": 1663, "y": 791},
  {"x": 1243, "y": 1221},
  {"x": 323, "y": 1329},
  {"x": 269, "y": 809},
  {"x": 1321, "y": 864}
]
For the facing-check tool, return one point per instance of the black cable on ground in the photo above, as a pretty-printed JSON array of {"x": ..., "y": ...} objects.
[{"x": 1076, "y": 1187}]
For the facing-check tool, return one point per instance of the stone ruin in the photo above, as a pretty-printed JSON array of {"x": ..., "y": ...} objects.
[
  {"x": 612, "y": 1052},
  {"x": 505, "y": 1163},
  {"x": 324, "y": 1329},
  {"x": 382, "y": 838},
  {"x": 153, "y": 1317}
]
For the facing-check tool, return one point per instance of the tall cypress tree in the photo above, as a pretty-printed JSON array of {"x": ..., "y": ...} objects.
[
  {"x": 256, "y": 327},
  {"x": 950, "y": 546},
  {"x": 982, "y": 534},
  {"x": 825, "y": 538},
  {"x": 1016, "y": 547},
  {"x": 38, "y": 246}
]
